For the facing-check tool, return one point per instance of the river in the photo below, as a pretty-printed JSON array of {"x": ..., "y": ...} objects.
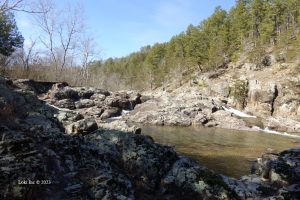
[{"x": 229, "y": 152}]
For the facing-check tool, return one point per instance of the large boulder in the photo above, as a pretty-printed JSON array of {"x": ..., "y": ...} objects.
[
  {"x": 98, "y": 97},
  {"x": 288, "y": 104},
  {"x": 85, "y": 93},
  {"x": 197, "y": 182},
  {"x": 282, "y": 171},
  {"x": 120, "y": 126},
  {"x": 35, "y": 86},
  {"x": 261, "y": 97},
  {"x": 134, "y": 98},
  {"x": 66, "y": 93},
  {"x": 103, "y": 91},
  {"x": 120, "y": 101},
  {"x": 95, "y": 111},
  {"x": 84, "y": 103},
  {"x": 282, "y": 124},
  {"x": 66, "y": 117},
  {"x": 176, "y": 118},
  {"x": 82, "y": 127},
  {"x": 111, "y": 112},
  {"x": 201, "y": 119},
  {"x": 224, "y": 119},
  {"x": 66, "y": 103}
]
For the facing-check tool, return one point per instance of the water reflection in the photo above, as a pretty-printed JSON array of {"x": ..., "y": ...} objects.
[{"x": 229, "y": 152}]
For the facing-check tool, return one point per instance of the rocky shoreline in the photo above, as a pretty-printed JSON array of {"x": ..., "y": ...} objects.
[
  {"x": 264, "y": 107},
  {"x": 268, "y": 95},
  {"x": 78, "y": 154}
]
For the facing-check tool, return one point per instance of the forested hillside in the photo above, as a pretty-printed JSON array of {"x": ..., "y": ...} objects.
[{"x": 250, "y": 30}]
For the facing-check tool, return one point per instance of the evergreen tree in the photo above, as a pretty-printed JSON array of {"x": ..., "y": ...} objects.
[
  {"x": 240, "y": 25},
  {"x": 10, "y": 37},
  {"x": 215, "y": 41}
]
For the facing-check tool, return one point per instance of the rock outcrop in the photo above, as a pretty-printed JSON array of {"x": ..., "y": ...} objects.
[
  {"x": 270, "y": 93},
  {"x": 82, "y": 109},
  {"x": 261, "y": 97},
  {"x": 185, "y": 109},
  {"x": 40, "y": 160},
  {"x": 281, "y": 171}
]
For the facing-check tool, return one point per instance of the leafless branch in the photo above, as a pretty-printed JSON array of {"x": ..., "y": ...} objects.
[{"x": 16, "y": 5}]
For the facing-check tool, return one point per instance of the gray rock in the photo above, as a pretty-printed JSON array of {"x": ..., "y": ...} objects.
[
  {"x": 108, "y": 164},
  {"x": 66, "y": 93},
  {"x": 226, "y": 120},
  {"x": 120, "y": 126},
  {"x": 84, "y": 103},
  {"x": 280, "y": 168},
  {"x": 111, "y": 112},
  {"x": 82, "y": 127},
  {"x": 69, "y": 116},
  {"x": 86, "y": 94},
  {"x": 200, "y": 119},
  {"x": 282, "y": 124},
  {"x": 261, "y": 97},
  {"x": 119, "y": 101},
  {"x": 197, "y": 182},
  {"x": 134, "y": 98},
  {"x": 66, "y": 103},
  {"x": 177, "y": 119},
  {"x": 98, "y": 97},
  {"x": 104, "y": 92}
]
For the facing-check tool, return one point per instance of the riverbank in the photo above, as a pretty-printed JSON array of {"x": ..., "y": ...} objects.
[
  {"x": 228, "y": 152},
  {"x": 48, "y": 139},
  {"x": 242, "y": 96}
]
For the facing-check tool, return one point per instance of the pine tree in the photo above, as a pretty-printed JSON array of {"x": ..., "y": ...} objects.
[{"x": 10, "y": 37}]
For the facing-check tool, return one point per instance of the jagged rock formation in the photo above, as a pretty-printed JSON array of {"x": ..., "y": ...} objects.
[
  {"x": 185, "y": 107},
  {"x": 40, "y": 160},
  {"x": 100, "y": 165},
  {"x": 85, "y": 109},
  {"x": 271, "y": 93}
]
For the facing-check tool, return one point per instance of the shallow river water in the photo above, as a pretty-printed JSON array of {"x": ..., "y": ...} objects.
[{"x": 229, "y": 152}]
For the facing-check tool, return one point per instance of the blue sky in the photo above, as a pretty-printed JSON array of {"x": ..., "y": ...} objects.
[{"x": 121, "y": 27}]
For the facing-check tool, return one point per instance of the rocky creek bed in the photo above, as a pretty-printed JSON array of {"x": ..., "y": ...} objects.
[
  {"x": 229, "y": 152},
  {"x": 57, "y": 133}
]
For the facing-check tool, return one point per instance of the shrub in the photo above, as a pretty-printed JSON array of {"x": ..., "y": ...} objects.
[{"x": 239, "y": 90}]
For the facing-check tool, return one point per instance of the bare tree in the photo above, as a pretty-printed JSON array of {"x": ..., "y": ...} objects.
[
  {"x": 63, "y": 47},
  {"x": 61, "y": 32},
  {"x": 87, "y": 53},
  {"x": 6, "y": 5},
  {"x": 17, "y": 5},
  {"x": 69, "y": 31},
  {"x": 46, "y": 23},
  {"x": 28, "y": 55}
]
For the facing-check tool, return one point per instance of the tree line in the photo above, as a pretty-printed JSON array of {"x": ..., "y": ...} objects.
[
  {"x": 64, "y": 51},
  {"x": 249, "y": 28},
  {"x": 61, "y": 49}
]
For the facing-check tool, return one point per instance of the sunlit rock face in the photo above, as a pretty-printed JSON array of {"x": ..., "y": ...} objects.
[{"x": 39, "y": 159}]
